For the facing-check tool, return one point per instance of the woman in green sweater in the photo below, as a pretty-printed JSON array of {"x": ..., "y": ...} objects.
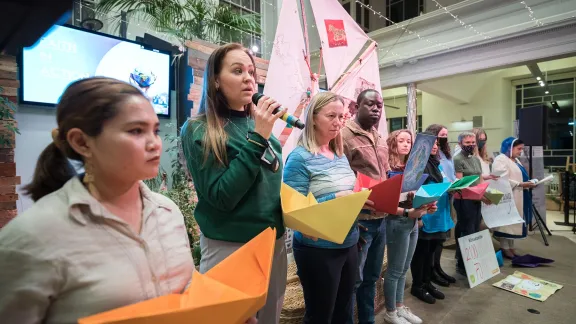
[{"x": 236, "y": 166}]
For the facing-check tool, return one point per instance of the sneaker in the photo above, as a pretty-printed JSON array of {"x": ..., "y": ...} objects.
[
  {"x": 405, "y": 312},
  {"x": 393, "y": 318}
]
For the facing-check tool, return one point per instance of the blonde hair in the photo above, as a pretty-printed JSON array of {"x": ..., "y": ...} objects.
[
  {"x": 393, "y": 157},
  {"x": 307, "y": 138}
]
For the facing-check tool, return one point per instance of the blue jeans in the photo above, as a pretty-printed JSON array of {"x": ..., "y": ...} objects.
[
  {"x": 370, "y": 262},
  {"x": 401, "y": 238}
]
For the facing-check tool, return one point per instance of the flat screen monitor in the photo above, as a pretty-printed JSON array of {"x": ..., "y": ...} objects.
[{"x": 65, "y": 54}]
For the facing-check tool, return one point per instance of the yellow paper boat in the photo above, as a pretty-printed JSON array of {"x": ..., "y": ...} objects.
[
  {"x": 230, "y": 293},
  {"x": 330, "y": 220}
]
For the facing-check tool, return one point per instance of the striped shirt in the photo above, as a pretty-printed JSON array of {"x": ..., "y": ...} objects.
[
  {"x": 315, "y": 173},
  {"x": 67, "y": 257}
]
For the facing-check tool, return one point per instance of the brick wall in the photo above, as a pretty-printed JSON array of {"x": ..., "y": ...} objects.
[
  {"x": 198, "y": 53},
  {"x": 8, "y": 178}
]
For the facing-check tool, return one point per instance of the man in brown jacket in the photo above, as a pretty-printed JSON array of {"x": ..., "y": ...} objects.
[{"x": 367, "y": 153}]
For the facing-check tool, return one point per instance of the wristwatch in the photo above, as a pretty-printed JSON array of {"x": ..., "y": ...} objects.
[{"x": 405, "y": 213}]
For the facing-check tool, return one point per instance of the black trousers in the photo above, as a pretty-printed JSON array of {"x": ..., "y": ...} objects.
[
  {"x": 328, "y": 277},
  {"x": 421, "y": 266},
  {"x": 469, "y": 217}
]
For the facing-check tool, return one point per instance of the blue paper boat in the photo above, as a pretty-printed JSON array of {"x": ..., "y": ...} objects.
[{"x": 430, "y": 193}]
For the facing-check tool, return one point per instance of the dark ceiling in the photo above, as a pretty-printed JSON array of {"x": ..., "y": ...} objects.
[{"x": 23, "y": 22}]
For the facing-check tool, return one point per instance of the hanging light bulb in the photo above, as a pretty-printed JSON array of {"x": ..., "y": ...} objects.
[{"x": 255, "y": 48}]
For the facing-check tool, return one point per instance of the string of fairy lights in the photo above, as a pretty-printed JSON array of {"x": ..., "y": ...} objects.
[
  {"x": 459, "y": 21},
  {"x": 531, "y": 14},
  {"x": 268, "y": 45}
]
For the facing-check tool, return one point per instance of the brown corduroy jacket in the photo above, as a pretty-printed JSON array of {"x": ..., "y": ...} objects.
[{"x": 367, "y": 153}]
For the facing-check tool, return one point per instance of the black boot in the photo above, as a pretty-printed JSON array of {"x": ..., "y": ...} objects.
[
  {"x": 437, "y": 279},
  {"x": 422, "y": 294},
  {"x": 434, "y": 291},
  {"x": 438, "y": 267}
]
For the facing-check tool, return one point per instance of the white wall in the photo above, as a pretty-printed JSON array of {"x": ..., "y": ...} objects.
[
  {"x": 490, "y": 94},
  {"x": 36, "y": 123}
]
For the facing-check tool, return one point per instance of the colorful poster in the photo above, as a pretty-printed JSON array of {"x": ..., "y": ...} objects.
[
  {"x": 505, "y": 212},
  {"x": 417, "y": 161},
  {"x": 528, "y": 286},
  {"x": 479, "y": 257}
]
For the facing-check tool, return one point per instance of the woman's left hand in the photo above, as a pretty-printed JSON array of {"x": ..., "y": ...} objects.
[
  {"x": 369, "y": 204},
  {"x": 252, "y": 320},
  {"x": 420, "y": 224}
]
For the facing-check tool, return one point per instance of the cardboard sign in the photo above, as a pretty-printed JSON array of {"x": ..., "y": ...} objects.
[
  {"x": 528, "y": 286},
  {"x": 479, "y": 257}
]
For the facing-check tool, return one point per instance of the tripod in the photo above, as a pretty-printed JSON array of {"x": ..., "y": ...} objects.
[{"x": 540, "y": 224}]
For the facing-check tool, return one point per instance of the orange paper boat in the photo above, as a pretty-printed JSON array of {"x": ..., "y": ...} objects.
[
  {"x": 230, "y": 293},
  {"x": 385, "y": 194}
]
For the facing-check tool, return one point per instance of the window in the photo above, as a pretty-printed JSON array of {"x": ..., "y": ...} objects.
[
  {"x": 401, "y": 10},
  {"x": 560, "y": 102},
  {"x": 401, "y": 123},
  {"x": 247, "y": 7},
  {"x": 360, "y": 14}
]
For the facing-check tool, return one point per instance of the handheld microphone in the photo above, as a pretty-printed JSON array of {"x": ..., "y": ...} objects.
[{"x": 288, "y": 118}]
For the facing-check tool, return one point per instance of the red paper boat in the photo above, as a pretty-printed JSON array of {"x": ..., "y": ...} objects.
[
  {"x": 472, "y": 193},
  {"x": 385, "y": 194}
]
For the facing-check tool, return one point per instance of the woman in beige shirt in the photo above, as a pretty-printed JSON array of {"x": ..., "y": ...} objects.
[{"x": 101, "y": 240}]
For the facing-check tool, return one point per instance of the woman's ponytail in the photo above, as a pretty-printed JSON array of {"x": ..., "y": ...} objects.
[{"x": 52, "y": 171}]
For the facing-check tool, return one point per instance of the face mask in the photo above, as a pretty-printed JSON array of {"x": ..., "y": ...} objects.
[
  {"x": 481, "y": 144},
  {"x": 442, "y": 141},
  {"x": 469, "y": 149}
]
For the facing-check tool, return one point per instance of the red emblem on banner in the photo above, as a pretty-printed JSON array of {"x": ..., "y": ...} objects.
[
  {"x": 336, "y": 33},
  {"x": 361, "y": 85}
]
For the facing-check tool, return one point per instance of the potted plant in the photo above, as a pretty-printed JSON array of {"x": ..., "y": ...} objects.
[
  {"x": 8, "y": 125},
  {"x": 180, "y": 190},
  {"x": 206, "y": 20}
]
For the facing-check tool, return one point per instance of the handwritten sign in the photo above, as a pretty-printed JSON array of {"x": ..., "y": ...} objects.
[
  {"x": 479, "y": 257},
  {"x": 505, "y": 213}
]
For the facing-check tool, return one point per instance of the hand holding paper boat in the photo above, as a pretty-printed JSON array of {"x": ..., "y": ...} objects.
[
  {"x": 230, "y": 293},
  {"x": 473, "y": 193},
  {"x": 429, "y": 193},
  {"x": 385, "y": 194},
  {"x": 494, "y": 195},
  {"x": 465, "y": 182},
  {"x": 330, "y": 220}
]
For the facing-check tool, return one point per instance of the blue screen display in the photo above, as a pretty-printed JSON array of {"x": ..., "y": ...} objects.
[{"x": 66, "y": 54}]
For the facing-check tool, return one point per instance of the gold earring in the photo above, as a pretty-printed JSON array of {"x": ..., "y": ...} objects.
[{"x": 88, "y": 173}]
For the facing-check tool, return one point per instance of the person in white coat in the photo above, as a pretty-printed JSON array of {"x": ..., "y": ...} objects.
[{"x": 507, "y": 163}]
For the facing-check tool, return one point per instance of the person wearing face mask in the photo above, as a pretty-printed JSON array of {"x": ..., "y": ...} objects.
[
  {"x": 367, "y": 153},
  {"x": 468, "y": 212},
  {"x": 482, "y": 151},
  {"x": 438, "y": 275},
  {"x": 508, "y": 164},
  {"x": 433, "y": 232}
]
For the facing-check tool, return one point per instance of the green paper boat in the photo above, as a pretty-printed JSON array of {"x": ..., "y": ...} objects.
[
  {"x": 495, "y": 196},
  {"x": 465, "y": 182}
]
